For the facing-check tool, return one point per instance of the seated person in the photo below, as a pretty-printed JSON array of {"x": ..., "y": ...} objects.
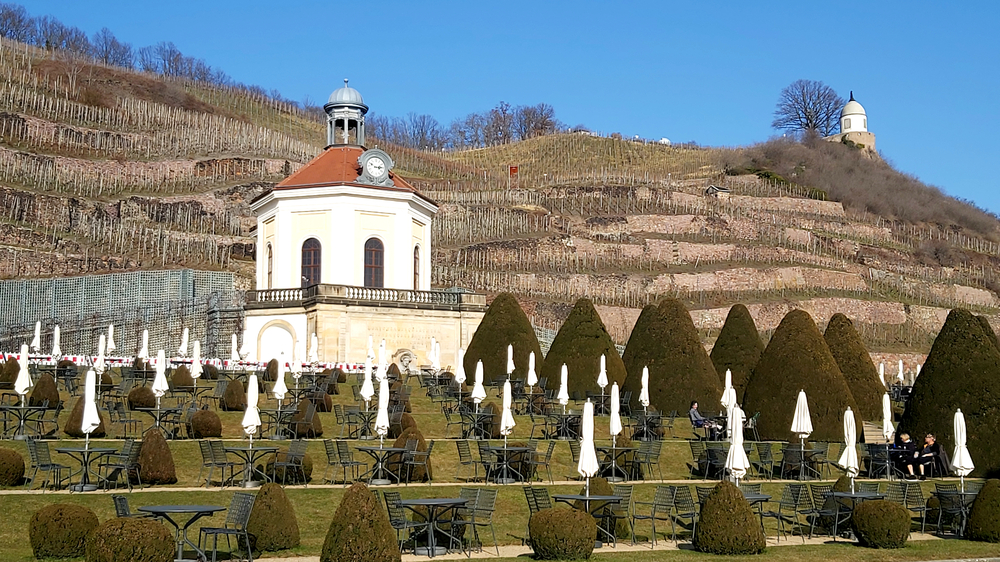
[
  {"x": 698, "y": 420},
  {"x": 901, "y": 452},
  {"x": 926, "y": 456}
]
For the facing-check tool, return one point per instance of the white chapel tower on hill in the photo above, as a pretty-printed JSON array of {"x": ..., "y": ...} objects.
[
  {"x": 344, "y": 251},
  {"x": 854, "y": 126}
]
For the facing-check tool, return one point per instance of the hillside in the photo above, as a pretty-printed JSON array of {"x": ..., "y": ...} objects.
[{"x": 103, "y": 170}]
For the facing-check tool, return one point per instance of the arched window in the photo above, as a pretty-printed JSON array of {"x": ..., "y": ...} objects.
[
  {"x": 270, "y": 267},
  {"x": 416, "y": 268},
  {"x": 374, "y": 260},
  {"x": 311, "y": 262}
]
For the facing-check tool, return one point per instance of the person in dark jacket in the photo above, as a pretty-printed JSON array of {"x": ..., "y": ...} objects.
[
  {"x": 927, "y": 456},
  {"x": 902, "y": 452}
]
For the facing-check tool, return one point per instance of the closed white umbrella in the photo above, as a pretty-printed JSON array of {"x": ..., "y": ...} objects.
[
  {"x": 56, "y": 350},
  {"x": 460, "y": 374},
  {"x": 99, "y": 361},
  {"x": 144, "y": 348},
  {"x": 849, "y": 458},
  {"x": 615, "y": 424},
  {"x": 36, "y": 342},
  {"x": 887, "y": 429},
  {"x": 916, "y": 374},
  {"x": 314, "y": 348},
  {"x": 23, "y": 382},
  {"x": 160, "y": 386},
  {"x": 900, "y": 374},
  {"x": 367, "y": 389},
  {"x": 234, "y": 353},
  {"x": 507, "y": 422},
  {"x": 961, "y": 460},
  {"x": 729, "y": 394},
  {"x": 644, "y": 389},
  {"x": 436, "y": 365},
  {"x": 111, "y": 338},
  {"x": 563, "y": 387},
  {"x": 251, "y": 417},
  {"x": 881, "y": 372},
  {"x": 196, "y": 362},
  {"x": 382, "y": 418},
  {"x": 280, "y": 389},
  {"x": 91, "y": 419},
  {"x": 478, "y": 391},
  {"x": 532, "y": 375},
  {"x": 802, "y": 425},
  {"x": 588, "y": 465},
  {"x": 602, "y": 375},
  {"x": 510, "y": 359},
  {"x": 182, "y": 350},
  {"x": 736, "y": 461}
]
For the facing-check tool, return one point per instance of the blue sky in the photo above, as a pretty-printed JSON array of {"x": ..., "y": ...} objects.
[{"x": 710, "y": 72}]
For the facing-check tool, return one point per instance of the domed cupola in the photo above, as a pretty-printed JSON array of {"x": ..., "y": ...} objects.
[
  {"x": 345, "y": 117},
  {"x": 853, "y": 118}
]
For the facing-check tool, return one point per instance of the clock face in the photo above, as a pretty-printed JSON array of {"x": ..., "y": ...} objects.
[{"x": 375, "y": 167}]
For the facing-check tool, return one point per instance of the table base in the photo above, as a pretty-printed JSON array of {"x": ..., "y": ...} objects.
[
  {"x": 253, "y": 484},
  {"x": 83, "y": 488},
  {"x": 426, "y": 551},
  {"x": 380, "y": 482}
]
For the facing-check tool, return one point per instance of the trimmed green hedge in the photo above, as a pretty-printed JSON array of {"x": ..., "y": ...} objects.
[
  {"x": 856, "y": 365},
  {"x": 984, "y": 519},
  {"x": 11, "y": 467},
  {"x": 360, "y": 530},
  {"x": 562, "y": 534},
  {"x": 60, "y": 530},
  {"x": 579, "y": 344},
  {"x": 272, "y": 521},
  {"x": 881, "y": 524},
  {"x": 737, "y": 348},
  {"x": 727, "y": 525},
  {"x": 156, "y": 463},
  {"x": 135, "y": 540},
  {"x": 797, "y": 358},
  {"x": 503, "y": 324},
  {"x": 75, "y": 420}
]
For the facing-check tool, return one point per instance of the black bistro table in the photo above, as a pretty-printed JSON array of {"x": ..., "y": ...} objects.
[
  {"x": 195, "y": 511},
  {"x": 598, "y": 503},
  {"x": 504, "y": 473},
  {"x": 479, "y": 424},
  {"x": 24, "y": 416},
  {"x": 567, "y": 425},
  {"x": 85, "y": 455},
  {"x": 963, "y": 499},
  {"x": 435, "y": 508},
  {"x": 380, "y": 475},
  {"x": 855, "y": 498},
  {"x": 366, "y": 418},
  {"x": 615, "y": 470},
  {"x": 249, "y": 455}
]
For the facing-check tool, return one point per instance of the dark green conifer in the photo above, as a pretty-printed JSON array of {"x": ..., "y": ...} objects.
[
  {"x": 737, "y": 348},
  {"x": 579, "y": 344},
  {"x": 503, "y": 324},
  {"x": 856, "y": 365}
]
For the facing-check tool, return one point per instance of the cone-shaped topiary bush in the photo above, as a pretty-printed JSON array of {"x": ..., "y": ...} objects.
[
  {"x": 181, "y": 379},
  {"x": 405, "y": 421},
  {"x": 360, "y": 530},
  {"x": 294, "y": 475},
  {"x": 45, "y": 391},
  {"x": 156, "y": 463},
  {"x": 60, "y": 530},
  {"x": 737, "y": 348},
  {"x": 961, "y": 371},
  {"x": 106, "y": 384},
  {"x": 234, "y": 399},
  {"x": 856, "y": 365},
  {"x": 271, "y": 372},
  {"x": 300, "y": 429},
  {"x": 205, "y": 423},
  {"x": 209, "y": 372},
  {"x": 727, "y": 525},
  {"x": 600, "y": 487},
  {"x": 141, "y": 397},
  {"x": 75, "y": 420},
  {"x": 341, "y": 375},
  {"x": 11, "y": 467},
  {"x": 984, "y": 519},
  {"x": 579, "y": 344},
  {"x": 984, "y": 323},
  {"x": 272, "y": 521},
  {"x": 135, "y": 540},
  {"x": 396, "y": 460},
  {"x": 665, "y": 340},
  {"x": 8, "y": 375},
  {"x": 881, "y": 524},
  {"x": 562, "y": 534},
  {"x": 503, "y": 324},
  {"x": 795, "y": 359}
]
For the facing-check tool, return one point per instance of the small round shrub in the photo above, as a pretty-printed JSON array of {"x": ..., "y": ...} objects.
[
  {"x": 141, "y": 397},
  {"x": 135, "y": 540},
  {"x": 272, "y": 521},
  {"x": 205, "y": 423},
  {"x": 293, "y": 475},
  {"x": 181, "y": 379},
  {"x": 984, "y": 519},
  {"x": 727, "y": 525},
  {"x": 75, "y": 420},
  {"x": 341, "y": 375},
  {"x": 156, "y": 463},
  {"x": 60, "y": 530},
  {"x": 8, "y": 375},
  {"x": 234, "y": 399},
  {"x": 11, "y": 467},
  {"x": 301, "y": 430},
  {"x": 881, "y": 524},
  {"x": 601, "y": 487},
  {"x": 271, "y": 372},
  {"x": 45, "y": 391},
  {"x": 360, "y": 530},
  {"x": 107, "y": 384},
  {"x": 210, "y": 372},
  {"x": 405, "y": 421},
  {"x": 395, "y": 461},
  {"x": 562, "y": 534}
]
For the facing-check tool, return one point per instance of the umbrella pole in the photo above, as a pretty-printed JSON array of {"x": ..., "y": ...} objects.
[
  {"x": 587, "y": 488},
  {"x": 157, "y": 411},
  {"x": 802, "y": 456}
]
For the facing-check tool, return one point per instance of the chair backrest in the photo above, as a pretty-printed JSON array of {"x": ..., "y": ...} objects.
[
  {"x": 296, "y": 450},
  {"x": 542, "y": 498},
  {"x": 625, "y": 492},
  {"x": 548, "y": 452},
  {"x": 411, "y": 445},
  {"x": 344, "y": 451},
  {"x": 464, "y": 451},
  {"x": 485, "y": 503},
  {"x": 750, "y": 488},
  {"x": 338, "y": 412},
  {"x": 121, "y": 506},
  {"x": 939, "y": 487},
  {"x": 529, "y": 496},
  {"x": 42, "y": 453},
  {"x": 484, "y": 450},
  {"x": 764, "y": 452},
  {"x": 867, "y": 487},
  {"x": 792, "y": 496},
  {"x": 574, "y": 449},
  {"x": 396, "y": 513},
  {"x": 663, "y": 499},
  {"x": 32, "y": 451},
  {"x": 896, "y": 493},
  {"x": 971, "y": 486},
  {"x": 220, "y": 389},
  {"x": 703, "y": 492},
  {"x": 683, "y": 500},
  {"x": 697, "y": 449},
  {"x": 218, "y": 450},
  {"x": 819, "y": 494},
  {"x": 239, "y": 510},
  {"x": 206, "y": 451},
  {"x": 332, "y": 456}
]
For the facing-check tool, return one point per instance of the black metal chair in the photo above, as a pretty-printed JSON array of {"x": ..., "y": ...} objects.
[
  {"x": 659, "y": 510},
  {"x": 347, "y": 460},
  {"x": 398, "y": 519},
  {"x": 41, "y": 461},
  {"x": 684, "y": 508},
  {"x": 123, "y": 464},
  {"x": 237, "y": 518},
  {"x": 122, "y": 508},
  {"x": 793, "y": 496},
  {"x": 545, "y": 460},
  {"x": 419, "y": 458},
  {"x": 294, "y": 459},
  {"x": 465, "y": 459},
  {"x": 332, "y": 459}
]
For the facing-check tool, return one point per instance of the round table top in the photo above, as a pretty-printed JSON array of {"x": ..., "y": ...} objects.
[
  {"x": 386, "y": 449},
  {"x": 85, "y": 449},
  {"x": 855, "y": 495},
  {"x": 433, "y": 501},
  {"x": 512, "y": 449},
  {"x": 182, "y": 508},
  {"x": 953, "y": 493},
  {"x": 265, "y": 448},
  {"x": 591, "y": 497},
  {"x": 610, "y": 448},
  {"x": 756, "y": 497}
]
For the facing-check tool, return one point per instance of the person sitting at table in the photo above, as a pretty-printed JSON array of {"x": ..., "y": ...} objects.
[
  {"x": 901, "y": 452},
  {"x": 698, "y": 420},
  {"x": 926, "y": 456}
]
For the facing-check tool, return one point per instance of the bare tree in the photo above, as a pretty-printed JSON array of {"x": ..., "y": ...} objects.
[
  {"x": 106, "y": 48},
  {"x": 808, "y": 105},
  {"x": 534, "y": 121},
  {"x": 15, "y": 23}
]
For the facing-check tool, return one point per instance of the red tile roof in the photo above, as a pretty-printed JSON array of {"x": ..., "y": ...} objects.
[{"x": 338, "y": 165}]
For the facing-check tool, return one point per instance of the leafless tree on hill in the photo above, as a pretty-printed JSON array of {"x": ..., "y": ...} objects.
[
  {"x": 535, "y": 121},
  {"x": 106, "y": 48},
  {"x": 15, "y": 23},
  {"x": 808, "y": 105}
]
